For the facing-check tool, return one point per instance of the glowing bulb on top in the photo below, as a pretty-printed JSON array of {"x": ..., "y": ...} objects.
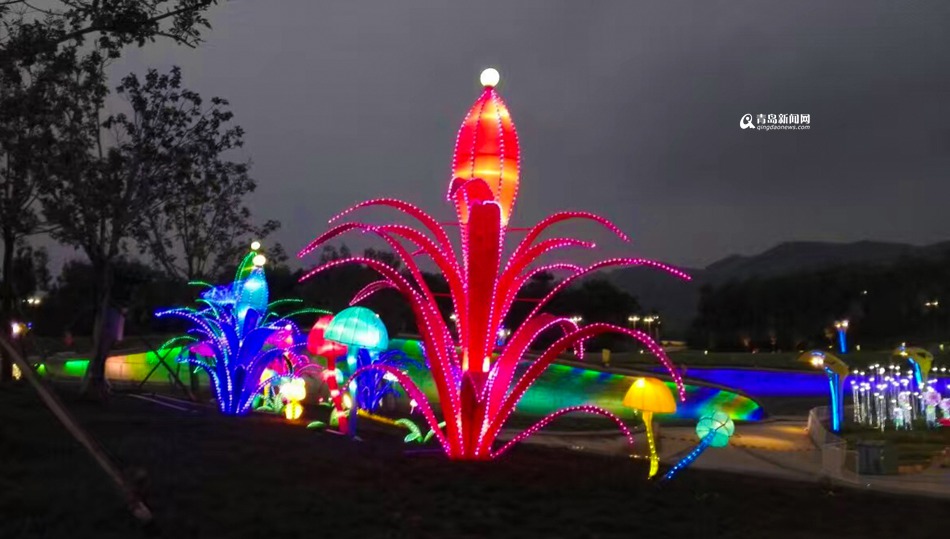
[
  {"x": 490, "y": 77},
  {"x": 259, "y": 260},
  {"x": 255, "y": 245}
]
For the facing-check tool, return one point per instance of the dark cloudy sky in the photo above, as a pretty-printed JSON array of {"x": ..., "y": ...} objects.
[{"x": 627, "y": 108}]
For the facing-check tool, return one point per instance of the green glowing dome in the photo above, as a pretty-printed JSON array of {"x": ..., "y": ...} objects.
[
  {"x": 358, "y": 327},
  {"x": 720, "y": 425}
]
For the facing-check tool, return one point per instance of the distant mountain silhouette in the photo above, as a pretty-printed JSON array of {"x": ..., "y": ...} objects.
[{"x": 676, "y": 301}]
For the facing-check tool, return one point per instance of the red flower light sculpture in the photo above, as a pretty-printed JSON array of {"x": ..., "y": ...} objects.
[{"x": 478, "y": 390}]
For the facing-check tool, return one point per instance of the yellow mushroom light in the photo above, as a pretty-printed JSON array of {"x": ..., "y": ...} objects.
[{"x": 650, "y": 396}]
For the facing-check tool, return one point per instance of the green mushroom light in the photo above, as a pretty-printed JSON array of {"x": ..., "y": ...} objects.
[
  {"x": 713, "y": 430},
  {"x": 359, "y": 329}
]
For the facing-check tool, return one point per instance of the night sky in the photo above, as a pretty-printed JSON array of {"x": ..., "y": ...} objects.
[{"x": 629, "y": 109}]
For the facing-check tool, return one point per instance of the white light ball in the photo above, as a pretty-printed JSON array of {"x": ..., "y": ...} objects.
[
  {"x": 490, "y": 77},
  {"x": 255, "y": 245},
  {"x": 259, "y": 260}
]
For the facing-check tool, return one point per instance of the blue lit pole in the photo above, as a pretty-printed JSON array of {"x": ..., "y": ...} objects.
[
  {"x": 842, "y": 327},
  {"x": 837, "y": 407},
  {"x": 836, "y": 371},
  {"x": 352, "y": 363},
  {"x": 688, "y": 459}
]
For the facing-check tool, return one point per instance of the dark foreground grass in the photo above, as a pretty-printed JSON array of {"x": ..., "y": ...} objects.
[
  {"x": 257, "y": 477},
  {"x": 918, "y": 446}
]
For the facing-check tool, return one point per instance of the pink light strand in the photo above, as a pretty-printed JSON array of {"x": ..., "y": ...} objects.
[
  {"x": 546, "y": 420},
  {"x": 602, "y": 264},
  {"x": 426, "y": 220},
  {"x": 369, "y": 290},
  {"x": 562, "y": 216}
]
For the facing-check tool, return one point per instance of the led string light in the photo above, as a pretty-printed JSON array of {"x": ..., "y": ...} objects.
[
  {"x": 234, "y": 337},
  {"x": 551, "y": 417},
  {"x": 561, "y": 217},
  {"x": 688, "y": 459}
]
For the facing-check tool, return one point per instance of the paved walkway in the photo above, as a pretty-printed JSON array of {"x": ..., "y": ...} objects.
[{"x": 777, "y": 448}]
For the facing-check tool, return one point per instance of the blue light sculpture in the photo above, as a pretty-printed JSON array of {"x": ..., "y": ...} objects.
[{"x": 235, "y": 336}]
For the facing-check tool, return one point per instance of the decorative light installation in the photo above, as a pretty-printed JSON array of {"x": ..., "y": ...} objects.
[
  {"x": 364, "y": 335},
  {"x": 841, "y": 326},
  {"x": 331, "y": 351},
  {"x": 837, "y": 371},
  {"x": 889, "y": 396},
  {"x": 236, "y": 335},
  {"x": 372, "y": 386},
  {"x": 293, "y": 391},
  {"x": 920, "y": 361},
  {"x": 713, "y": 431},
  {"x": 650, "y": 396},
  {"x": 477, "y": 389}
]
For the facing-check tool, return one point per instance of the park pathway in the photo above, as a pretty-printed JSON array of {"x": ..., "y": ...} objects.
[{"x": 779, "y": 447}]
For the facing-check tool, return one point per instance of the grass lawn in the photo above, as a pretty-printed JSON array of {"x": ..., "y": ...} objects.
[
  {"x": 918, "y": 446},
  {"x": 209, "y": 476}
]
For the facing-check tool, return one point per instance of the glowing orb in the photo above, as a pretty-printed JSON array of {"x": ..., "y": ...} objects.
[{"x": 490, "y": 77}]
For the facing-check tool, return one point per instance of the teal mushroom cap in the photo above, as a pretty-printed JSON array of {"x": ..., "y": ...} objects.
[
  {"x": 358, "y": 327},
  {"x": 721, "y": 427}
]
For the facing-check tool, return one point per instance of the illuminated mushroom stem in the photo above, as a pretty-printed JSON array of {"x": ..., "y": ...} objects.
[
  {"x": 836, "y": 411},
  {"x": 654, "y": 458},
  {"x": 703, "y": 444},
  {"x": 335, "y": 396}
]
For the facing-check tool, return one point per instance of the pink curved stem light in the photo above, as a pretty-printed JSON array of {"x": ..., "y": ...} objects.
[
  {"x": 560, "y": 217},
  {"x": 546, "y": 420}
]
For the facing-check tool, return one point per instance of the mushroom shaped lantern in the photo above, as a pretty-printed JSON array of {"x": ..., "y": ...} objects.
[
  {"x": 359, "y": 329},
  {"x": 650, "y": 396},
  {"x": 318, "y": 345},
  {"x": 713, "y": 431},
  {"x": 837, "y": 371},
  {"x": 920, "y": 360}
]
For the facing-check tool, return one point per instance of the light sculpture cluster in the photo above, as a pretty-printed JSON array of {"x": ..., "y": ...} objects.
[
  {"x": 236, "y": 335},
  {"x": 887, "y": 396},
  {"x": 477, "y": 389}
]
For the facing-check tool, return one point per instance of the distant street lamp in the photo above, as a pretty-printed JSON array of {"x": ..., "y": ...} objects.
[
  {"x": 648, "y": 320},
  {"x": 842, "y": 327},
  {"x": 633, "y": 320},
  {"x": 931, "y": 307}
]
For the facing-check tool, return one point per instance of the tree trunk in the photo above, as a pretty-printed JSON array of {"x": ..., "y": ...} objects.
[
  {"x": 7, "y": 308},
  {"x": 94, "y": 383}
]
